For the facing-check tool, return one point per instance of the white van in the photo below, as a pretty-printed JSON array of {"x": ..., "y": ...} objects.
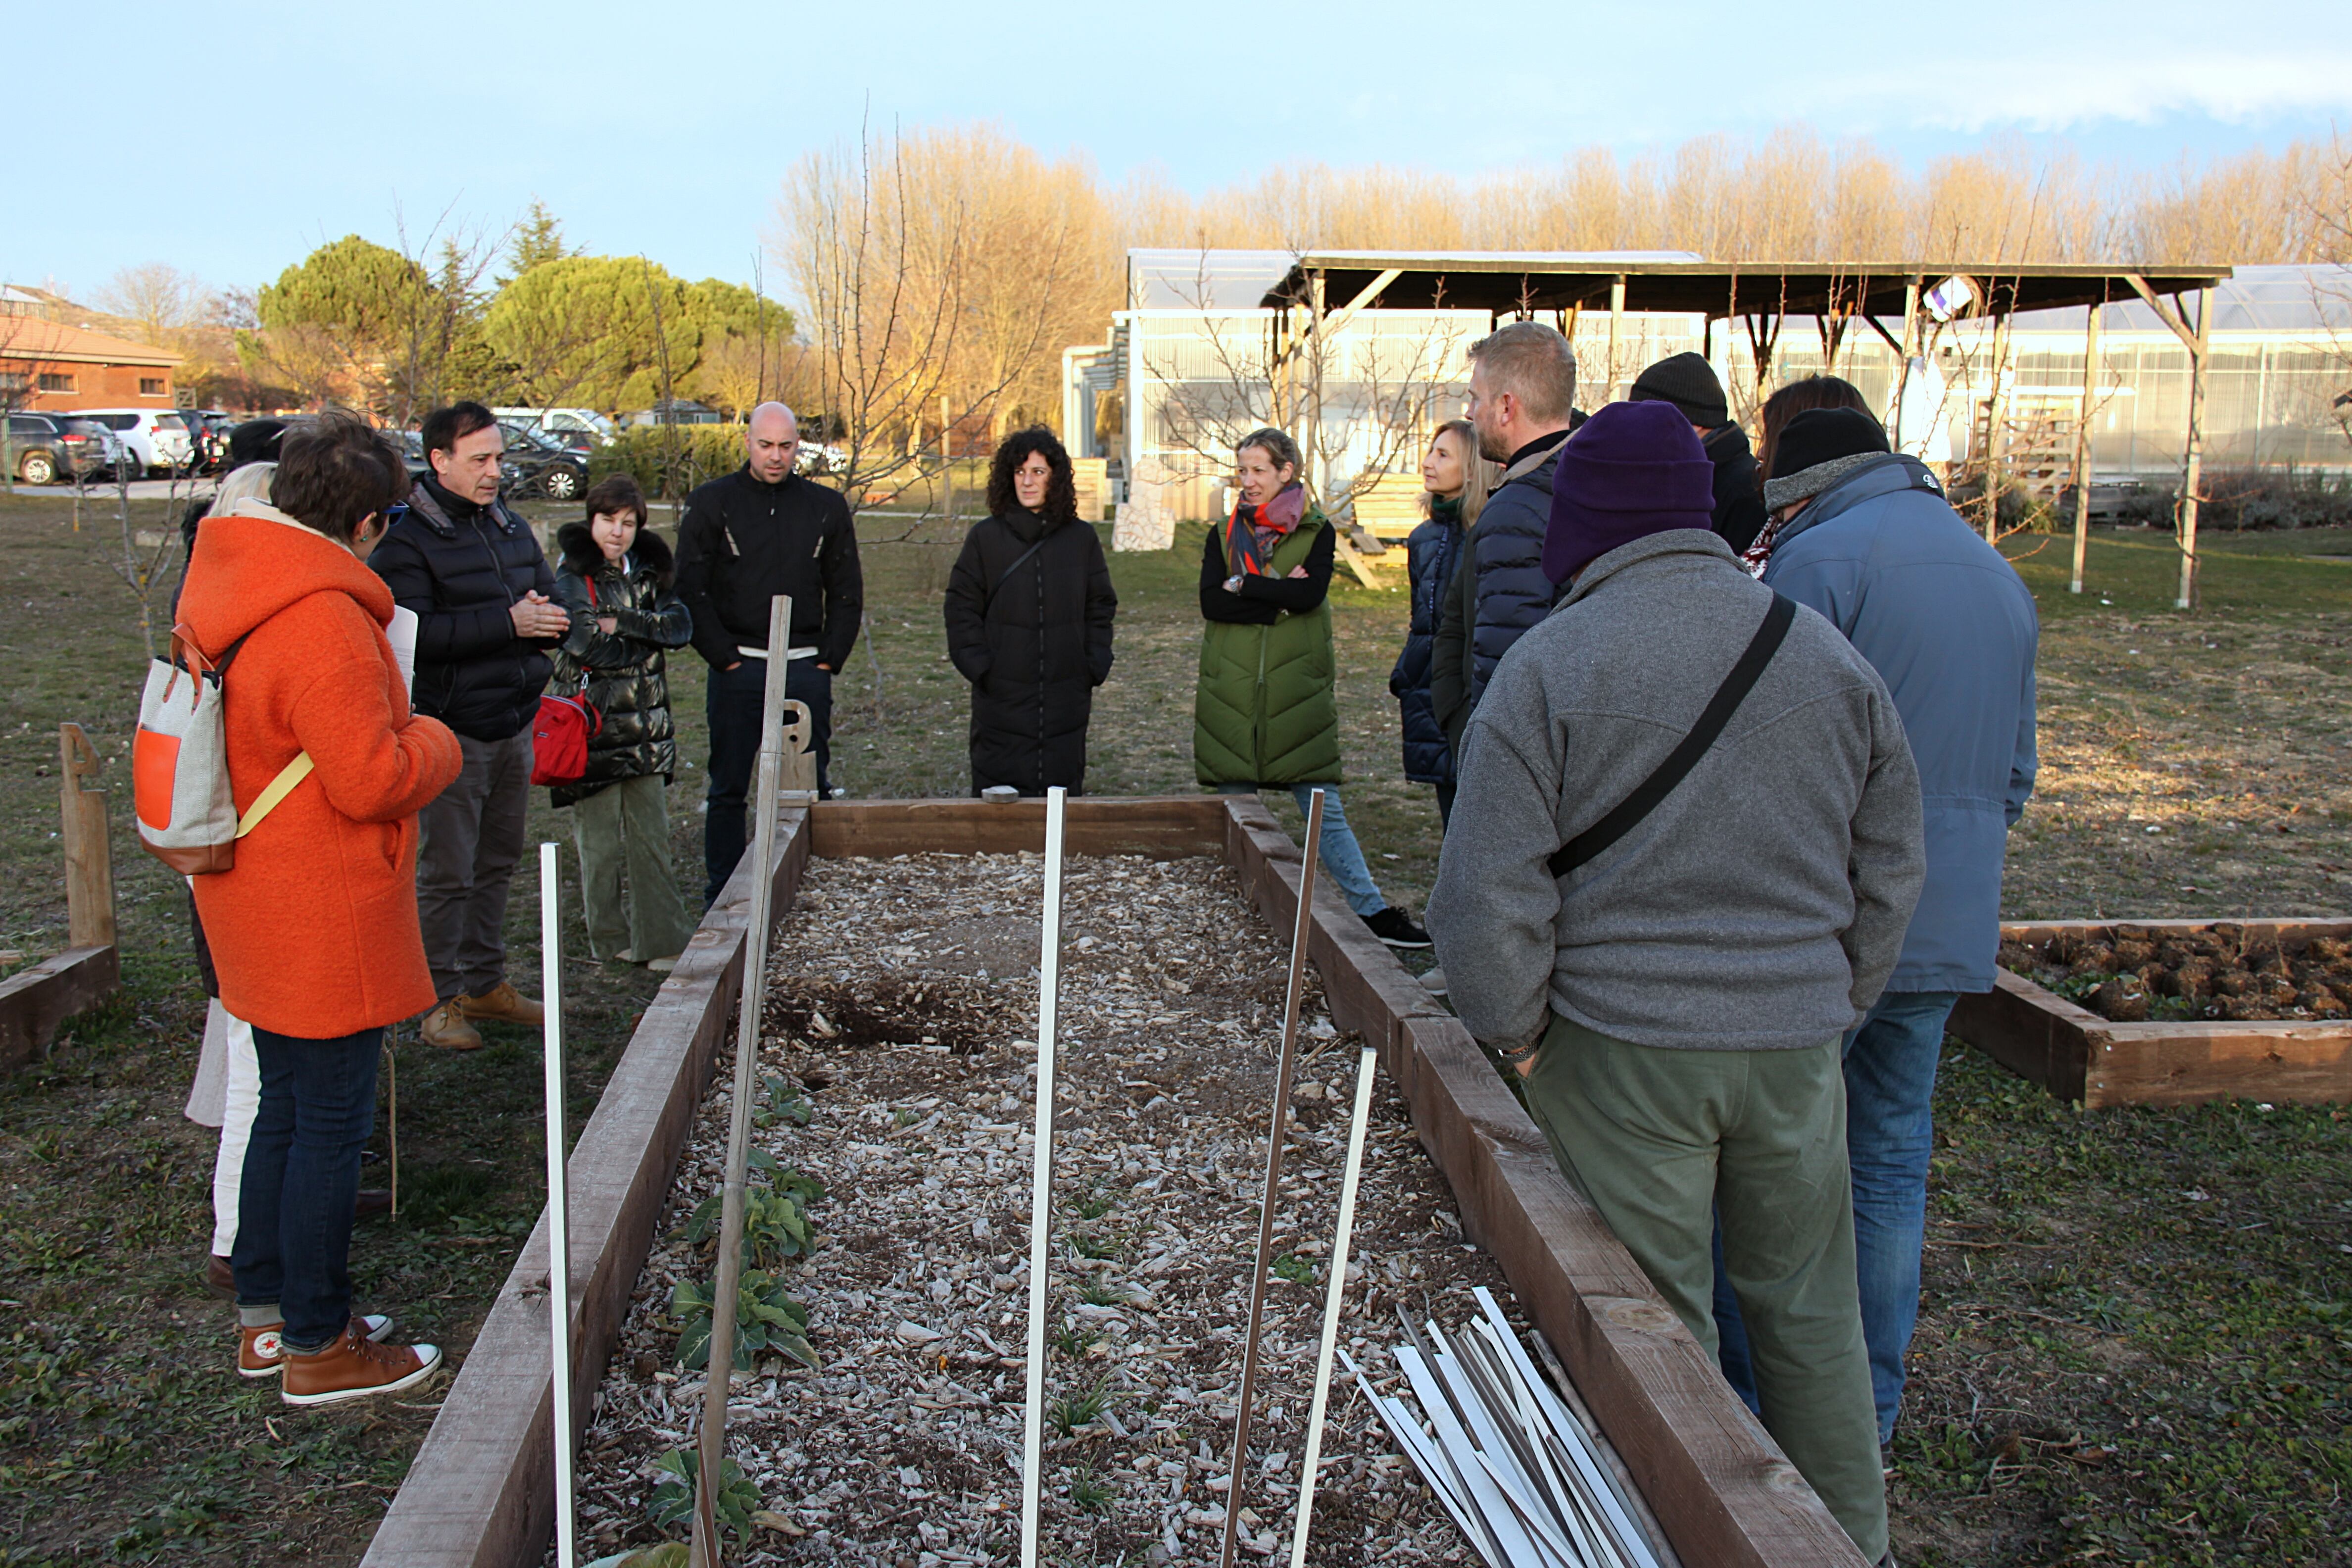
[
  {"x": 157, "y": 438},
  {"x": 561, "y": 422}
]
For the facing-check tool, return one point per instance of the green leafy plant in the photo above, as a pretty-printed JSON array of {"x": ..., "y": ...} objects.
[
  {"x": 1088, "y": 1491},
  {"x": 1096, "y": 1204},
  {"x": 1099, "y": 1293},
  {"x": 780, "y": 1101},
  {"x": 766, "y": 1321},
  {"x": 775, "y": 1215},
  {"x": 1087, "y": 1245},
  {"x": 1297, "y": 1269},
  {"x": 673, "y": 1499},
  {"x": 1068, "y": 1412}
]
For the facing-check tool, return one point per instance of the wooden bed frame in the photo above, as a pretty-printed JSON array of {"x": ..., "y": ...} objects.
[{"x": 479, "y": 1493}]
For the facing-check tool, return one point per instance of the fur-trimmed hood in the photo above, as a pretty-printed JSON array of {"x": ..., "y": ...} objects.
[{"x": 583, "y": 558}]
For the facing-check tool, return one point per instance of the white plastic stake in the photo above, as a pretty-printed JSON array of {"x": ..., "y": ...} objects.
[
  {"x": 1335, "y": 1294},
  {"x": 559, "y": 1223},
  {"x": 1041, "y": 1204}
]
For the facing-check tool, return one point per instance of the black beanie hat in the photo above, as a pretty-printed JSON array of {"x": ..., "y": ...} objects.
[
  {"x": 255, "y": 441},
  {"x": 1687, "y": 381},
  {"x": 1821, "y": 435}
]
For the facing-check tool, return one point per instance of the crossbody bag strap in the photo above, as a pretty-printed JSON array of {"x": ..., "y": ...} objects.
[
  {"x": 1684, "y": 757},
  {"x": 1004, "y": 576},
  {"x": 278, "y": 789}
]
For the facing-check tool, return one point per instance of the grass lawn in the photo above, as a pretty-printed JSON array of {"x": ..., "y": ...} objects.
[{"x": 2135, "y": 1346}]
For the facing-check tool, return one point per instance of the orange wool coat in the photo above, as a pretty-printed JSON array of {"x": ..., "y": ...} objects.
[{"x": 314, "y": 932}]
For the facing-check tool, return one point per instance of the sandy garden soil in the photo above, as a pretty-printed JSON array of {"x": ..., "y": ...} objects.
[{"x": 900, "y": 1006}]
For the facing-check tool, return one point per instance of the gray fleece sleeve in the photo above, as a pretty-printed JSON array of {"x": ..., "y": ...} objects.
[
  {"x": 1495, "y": 908},
  {"x": 1887, "y": 855}
]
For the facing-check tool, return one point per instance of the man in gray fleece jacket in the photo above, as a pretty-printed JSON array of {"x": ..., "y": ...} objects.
[{"x": 1677, "y": 1002}]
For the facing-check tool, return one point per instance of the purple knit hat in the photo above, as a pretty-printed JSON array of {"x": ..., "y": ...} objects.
[{"x": 1634, "y": 469}]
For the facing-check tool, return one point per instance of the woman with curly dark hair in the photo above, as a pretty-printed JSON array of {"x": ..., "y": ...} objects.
[{"x": 1029, "y": 609}]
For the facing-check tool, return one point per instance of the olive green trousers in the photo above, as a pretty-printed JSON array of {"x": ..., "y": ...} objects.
[
  {"x": 624, "y": 826},
  {"x": 1659, "y": 1141}
]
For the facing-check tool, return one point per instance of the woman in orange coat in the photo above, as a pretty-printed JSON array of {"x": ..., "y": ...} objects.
[{"x": 314, "y": 931}]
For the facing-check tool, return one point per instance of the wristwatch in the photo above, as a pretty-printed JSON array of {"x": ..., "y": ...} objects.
[{"x": 1233, "y": 583}]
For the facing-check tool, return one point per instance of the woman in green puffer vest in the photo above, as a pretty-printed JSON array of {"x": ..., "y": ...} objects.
[{"x": 1267, "y": 712}]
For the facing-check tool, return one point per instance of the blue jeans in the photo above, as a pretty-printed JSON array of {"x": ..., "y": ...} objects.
[
  {"x": 1343, "y": 857},
  {"x": 732, "y": 704},
  {"x": 1890, "y": 1087},
  {"x": 301, "y": 1173}
]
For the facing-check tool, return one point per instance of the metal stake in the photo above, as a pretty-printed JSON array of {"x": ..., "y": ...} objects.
[
  {"x": 1334, "y": 1297},
  {"x": 719, "y": 1370},
  {"x": 559, "y": 1220},
  {"x": 1041, "y": 1206},
  {"x": 1278, "y": 1130}
]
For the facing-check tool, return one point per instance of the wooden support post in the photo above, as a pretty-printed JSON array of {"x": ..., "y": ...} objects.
[
  {"x": 1315, "y": 476},
  {"x": 1996, "y": 426},
  {"x": 2192, "y": 476},
  {"x": 1616, "y": 314},
  {"x": 2082, "y": 447},
  {"x": 946, "y": 460},
  {"x": 89, "y": 860},
  {"x": 718, "y": 1370}
]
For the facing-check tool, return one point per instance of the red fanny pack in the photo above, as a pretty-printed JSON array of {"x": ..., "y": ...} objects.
[{"x": 559, "y": 740}]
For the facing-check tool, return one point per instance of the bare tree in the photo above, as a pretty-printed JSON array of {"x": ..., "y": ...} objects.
[{"x": 158, "y": 300}]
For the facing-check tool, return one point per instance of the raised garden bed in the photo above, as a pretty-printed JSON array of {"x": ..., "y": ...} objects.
[
  {"x": 478, "y": 1491},
  {"x": 2170, "y": 1011}
]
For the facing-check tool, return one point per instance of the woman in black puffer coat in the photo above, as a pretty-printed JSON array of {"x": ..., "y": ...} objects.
[
  {"x": 1456, "y": 480},
  {"x": 1029, "y": 609},
  {"x": 615, "y": 584}
]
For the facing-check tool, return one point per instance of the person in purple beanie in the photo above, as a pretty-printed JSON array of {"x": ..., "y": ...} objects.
[{"x": 1684, "y": 849}]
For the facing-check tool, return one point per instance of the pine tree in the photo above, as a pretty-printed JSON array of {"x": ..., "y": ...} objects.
[{"x": 539, "y": 238}]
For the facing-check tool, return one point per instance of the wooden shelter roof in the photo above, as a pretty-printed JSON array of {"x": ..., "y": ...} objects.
[{"x": 1508, "y": 281}]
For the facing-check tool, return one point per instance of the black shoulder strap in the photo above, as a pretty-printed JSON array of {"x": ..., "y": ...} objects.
[
  {"x": 1003, "y": 577},
  {"x": 1684, "y": 757},
  {"x": 228, "y": 655}
]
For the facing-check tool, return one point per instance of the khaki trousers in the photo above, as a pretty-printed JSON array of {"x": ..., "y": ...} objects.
[{"x": 1658, "y": 1140}]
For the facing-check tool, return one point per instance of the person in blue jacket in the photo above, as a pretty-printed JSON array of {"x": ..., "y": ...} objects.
[
  {"x": 1456, "y": 480},
  {"x": 1866, "y": 538},
  {"x": 1522, "y": 401}
]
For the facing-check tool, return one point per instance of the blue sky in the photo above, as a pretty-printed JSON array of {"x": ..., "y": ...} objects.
[{"x": 668, "y": 129}]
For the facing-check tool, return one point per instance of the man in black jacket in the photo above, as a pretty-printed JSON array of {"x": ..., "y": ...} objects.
[
  {"x": 475, "y": 576},
  {"x": 1522, "y": 404},
  {"x": 760, "y": 531},
  {"x": 1688, "y": 382}
]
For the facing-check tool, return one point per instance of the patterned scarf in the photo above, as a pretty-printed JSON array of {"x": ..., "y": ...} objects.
[{"x": 1253, "y": 532}]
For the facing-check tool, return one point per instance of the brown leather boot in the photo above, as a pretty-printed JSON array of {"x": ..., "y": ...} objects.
[
  {"x": 353, "y": 1367},
  {"x": 261, "y": 1351},
  {"x": 503, "y": 1004},
  {"x": 445, "y": 1026}
]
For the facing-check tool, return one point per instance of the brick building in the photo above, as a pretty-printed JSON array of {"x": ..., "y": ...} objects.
[{"x": 49, "y": 364}]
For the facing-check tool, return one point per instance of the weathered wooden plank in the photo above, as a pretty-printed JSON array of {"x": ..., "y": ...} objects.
[
  {"x": 1165, "y": 827},
  {"x": 1718, "y": 1484},
  {"x": 480, "y": 1492},
  {"x": 35, "y": 1001},
  {"x": 90, "y": 856},
  {"x": 2077, "y": 1054}
]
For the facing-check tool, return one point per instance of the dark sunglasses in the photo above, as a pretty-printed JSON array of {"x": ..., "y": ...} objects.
[{"x": 393, "y": 513}]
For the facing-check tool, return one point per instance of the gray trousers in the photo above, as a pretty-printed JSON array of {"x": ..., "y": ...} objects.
[{"x": 469, "y": 840}]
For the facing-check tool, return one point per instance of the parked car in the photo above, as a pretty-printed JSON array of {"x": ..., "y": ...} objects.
[
  {"x": 677, "y": 411},
  {"x": 820, "y": 457},
  {"x": 55, "y": 448},
  {"x": 209, "y": 428},
  {"x": 537, "y": 465},
  {"x": 580, "y": 428},
  {"x": 412, "y": 452},
  {"x": 158, "y": 437}
]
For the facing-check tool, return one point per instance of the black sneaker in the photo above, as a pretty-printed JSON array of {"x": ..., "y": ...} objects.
[{"x": 1395, "y": 926}]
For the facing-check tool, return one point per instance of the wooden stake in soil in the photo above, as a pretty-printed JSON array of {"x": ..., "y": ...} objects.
[
  {"x": 719, "y": 1370},
  {"x": 559, "y": 1219},
  {"x": 1278, "y": 1130},
  {"x": 1335, "y": 1294},
  {"x": 1041, "y": 1185}
]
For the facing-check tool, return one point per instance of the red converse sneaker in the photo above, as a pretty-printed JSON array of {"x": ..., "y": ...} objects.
[
  {"x": 261, "y": 1353},
  {"x": 354, "y": 1367}
]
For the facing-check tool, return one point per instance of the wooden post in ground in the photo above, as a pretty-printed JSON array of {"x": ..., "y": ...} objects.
[
  {"x": 2082, "y": 447},
  {"x": 1996, "y": 423},
  {"x": 2196, "y": 341},
  {"x": 89, "y": 860},
  {"x": 2192, "y": 477},
  {"x": 1616, "y": 315},
  {"x": 1315, "y": 476},
  {"x": 1277, "y": 1131},
  {"x": 720, "y": 1369},
  {"x": 947, "y": 459}
]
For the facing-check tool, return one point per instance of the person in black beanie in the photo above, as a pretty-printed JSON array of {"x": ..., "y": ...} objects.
[
  {"x": 1688, "y": 382},
  {"x": 255, "y": 441}
]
